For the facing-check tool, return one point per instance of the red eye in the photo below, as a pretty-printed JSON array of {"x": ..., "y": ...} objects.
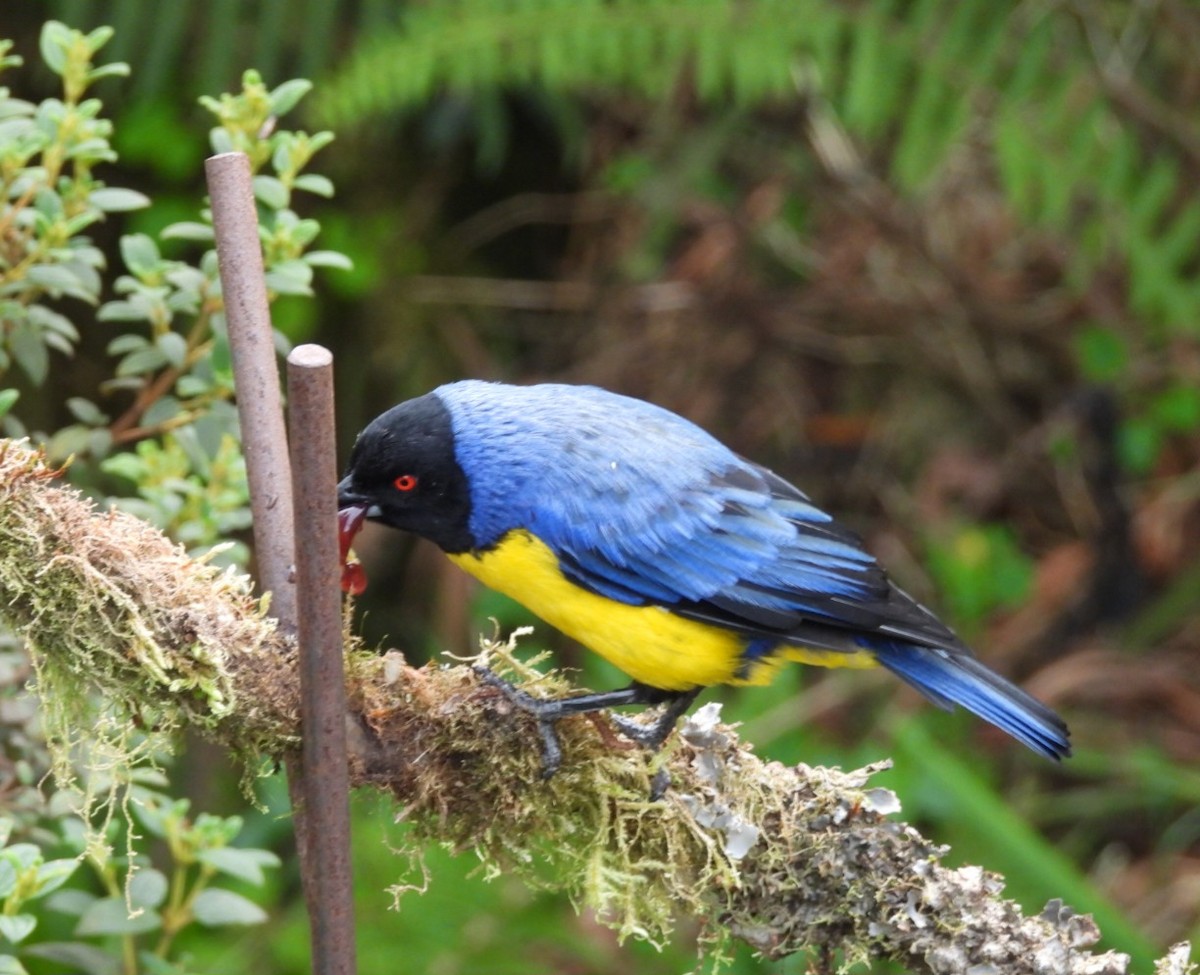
[{"x": 405, "y": 482}]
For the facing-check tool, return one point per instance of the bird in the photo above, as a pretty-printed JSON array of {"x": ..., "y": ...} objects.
[{"x": 636, "y": 533}]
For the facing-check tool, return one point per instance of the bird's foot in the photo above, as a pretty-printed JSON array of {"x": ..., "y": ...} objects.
[
  {"x": 545, "y": 712},
  {"x": 549, "y": 711}
]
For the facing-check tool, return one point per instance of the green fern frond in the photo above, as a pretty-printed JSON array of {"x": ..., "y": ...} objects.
[
  {"x": 744, "y": 52},
  {"x": 908, "y": 80}
]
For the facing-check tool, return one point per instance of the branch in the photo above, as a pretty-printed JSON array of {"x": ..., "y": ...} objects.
[{"x": 782, "y": 858}]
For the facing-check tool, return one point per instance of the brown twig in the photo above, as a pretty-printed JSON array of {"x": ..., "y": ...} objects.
[{"x": 125, "y": 429}]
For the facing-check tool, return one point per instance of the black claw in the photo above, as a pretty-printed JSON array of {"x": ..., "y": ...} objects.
[{"x": 551, "y": 749}]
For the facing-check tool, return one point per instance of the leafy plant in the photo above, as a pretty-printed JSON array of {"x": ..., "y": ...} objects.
[
  {"x": 180, "y": 370},
  {"x": 173, "y": 439},
  {"x": 49, "y": 195},
  {"x": 131, "y": 924},
  {"x": 173, "y": 366}
]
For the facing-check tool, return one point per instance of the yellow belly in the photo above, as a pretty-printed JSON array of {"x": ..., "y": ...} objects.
[{"x": 650, "y": 644}]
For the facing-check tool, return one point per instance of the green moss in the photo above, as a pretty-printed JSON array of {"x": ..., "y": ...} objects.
[{"x": 130, "y": 638}]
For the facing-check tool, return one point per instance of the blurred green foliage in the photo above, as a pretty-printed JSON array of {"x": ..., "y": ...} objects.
[{"x": 979, "y": 569}]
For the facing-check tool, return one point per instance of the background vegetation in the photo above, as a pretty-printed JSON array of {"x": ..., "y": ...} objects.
[{"x": 936, "y": 262}]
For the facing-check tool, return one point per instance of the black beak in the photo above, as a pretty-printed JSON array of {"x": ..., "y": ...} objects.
[{"x": 348, "y": 497}]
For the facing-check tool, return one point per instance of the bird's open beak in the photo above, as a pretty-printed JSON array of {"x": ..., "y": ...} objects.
[{"x": 348, "y": 497}]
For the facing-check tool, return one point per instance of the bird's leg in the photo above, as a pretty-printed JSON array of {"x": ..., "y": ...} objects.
[{"x": 548, "y": 711}]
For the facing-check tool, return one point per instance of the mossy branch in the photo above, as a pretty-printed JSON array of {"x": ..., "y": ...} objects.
[{"x": 783, "y": 858}]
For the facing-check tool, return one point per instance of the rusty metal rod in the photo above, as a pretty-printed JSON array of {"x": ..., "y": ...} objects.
[
  {"x": 264, "y": 440},
  {"x": 323, "y": 709},
  {"x": 256, "y": 377}
]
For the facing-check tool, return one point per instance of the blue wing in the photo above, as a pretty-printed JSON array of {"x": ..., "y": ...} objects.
[{"x": 746, "y": 550}]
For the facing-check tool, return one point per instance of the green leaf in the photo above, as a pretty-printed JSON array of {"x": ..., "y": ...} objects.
[
  {"x": 99, "y": 442},
  {"x": 980, "y": 568},
  {"x": 188, "y": 230},
  {"x": 8, "y": 398},
  {"x": 155, "y": 816},
  {"x": 189, "y": 386},
  {"x": 121, "y": 311},
  {"x": 1156, "y": 187},
  {"x": 245, "y": 864},
  {"x": 314, "y": 183},
  {"x": 1139, "y": 442},
  {"x": 11, "y": 966},
  {"x": 8, "y": 878},
  {"x": 151, "y": 964},
  {"x": 148, "y": 888},
  {"x": 110, "y": 915},
  {"x": 142, "y": 361},
  {"x": 17, "y": 927},
  {"x": 30, "y": 353},
  {"x": 140, "y": 253},
  {"x": 76, "y": 956},
  {"x": 118, "y": 69},
  {"x": 53, "y": 874},
  {"x": 97, "y": 38},
  {"x": 66, "y": 441},
  {"x": 23, "y": 856},
  {"x": 220, "y": 140},
  {"x": 328, "y": 259},
  {"x": 113, "y": 199},
  {"x": 70, "y": 901},
  {"x": 1178, "y": 409},
  {"x": 270, "y": 192},
  {"x": 174, "y": 347},
  {"x": 53, "y": 324},
  {"x": 126, "y": 465},
  {"x": 55, "y": 278},
  {"x": 284, "y": 98},
  {"x": 53, "y": 45},
  {"x": 85, "y": 411},
  {"x": 217, "y": 908},
  {"x": 290, "y": 278},
  {"x": 166, "y": 408},
  {"x": 126, "y": 343}
]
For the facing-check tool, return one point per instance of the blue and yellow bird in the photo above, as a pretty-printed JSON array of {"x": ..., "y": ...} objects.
[{"x": 641, "y": 536}]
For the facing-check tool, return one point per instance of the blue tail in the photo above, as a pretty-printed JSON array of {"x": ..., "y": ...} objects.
[{"x": 948, "y": 678}]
